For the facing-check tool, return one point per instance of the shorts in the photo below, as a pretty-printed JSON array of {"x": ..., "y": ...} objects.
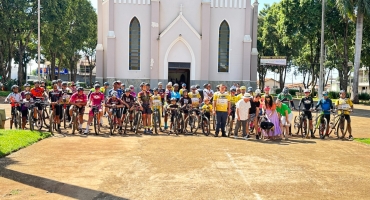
[
  {"x": 91, "y": 112},
  {"x": 327, "y": 116},
  {"x": 308, "y": 114},
  {"x": 146, "y": 109},
  {"x": 125, "y": 109},
  {"x": 25, "y": 113},
  {"x": 290, "y": 117},
  {"x": 81, "y": 110},
  {"x": 58, "y": 110},
  {"x": 118, "y": 112},
  {"x": 208, "y": 115},
  {"x": 232, "y": 113},
  {"x": 251, "y": 117},
  {"x": 348, "y": 118},
  {"x": 38, "y": 105}
]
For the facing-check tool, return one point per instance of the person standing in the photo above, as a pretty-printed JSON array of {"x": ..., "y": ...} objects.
[
  {"x": 307, "y": 102},
  {"x": 270, "y": 109},
  {"x": 242, "y": 114},
  {"x": 326, "y": 105},
  {"x": 254, "y": 112},
  {"x": 222, "y": 108},
  {"x": 285, "y": 115}
]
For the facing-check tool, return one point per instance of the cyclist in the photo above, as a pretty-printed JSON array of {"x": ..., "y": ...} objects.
[
  {"x": 242, "y": 92},
  {"x": 38, "y": 93},
  {"x": 78, "y": 99},
  {"x": 286, "y": 98},
  {"x": 157, "y": 102},
  {"x": 42, "y": 84},
  {"x": 27, "y": 88},
  {"x": 148, "y": 88},
  {"x": 67, "y": 92},
  {"x": 129, "y": 100},
  {"x": 207, "y": 108},
  {"x": 161, "y": 92},
  {"x": 145, "y": 102},
  {"x": 96, "y": 99},
  {"x": 59, "y": 82},
  {"x": 106, "y": 91},
  {"x": 184, "y": 102},
  {"x": 101, "y": 89},
  {"x": 172, "y": 109},
  {"x": 73, "y": 87},
  {"x": 123, "y": 86},
  {"x": 250, "y": 91},
  {"x": 242, "y": 115},
  {"x": 233, "y": 101},
  {"x": 196, "y": 100},
  {"x": 307, "y": 102},
  {"x": 167, "y": 97},
  {"x": 175, "y": 92},
  {"x": 114, "y": 102},
  {"x": 55, "y": 97},
  {"x": 221, "y": 105},
  {"x": 207, "y": 91},
  {"x": 15, "y": 98},
  {"x": 27, "y": 102},
  {"x": 182, "y": 89},
  {"x": 132, "y": 91},
  {"x": 346, "y": 103},
  {"x": 254, "y": 112},
  {"x": 326, "y": 105},
  {"x": 238, "y": 91}
]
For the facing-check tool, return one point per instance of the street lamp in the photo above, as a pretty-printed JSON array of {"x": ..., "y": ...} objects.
[
  {"x": 321, "y": 78},
  {"x": 276, "y": 71}
]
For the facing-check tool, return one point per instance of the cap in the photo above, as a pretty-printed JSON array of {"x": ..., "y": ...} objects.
[
  {"x": 247, "y": 95},
  {"x": 307, "y": 91},
  {"x": 160, "y": 83},
  {"x": 243, "y": 88},
  {"x": 184, "y": 84}
]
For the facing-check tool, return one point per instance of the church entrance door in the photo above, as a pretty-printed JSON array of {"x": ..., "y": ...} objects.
[{"x": 179, "y": 72}]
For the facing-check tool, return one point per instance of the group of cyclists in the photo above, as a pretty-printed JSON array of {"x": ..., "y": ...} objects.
[{"x": 166, "y": 99}]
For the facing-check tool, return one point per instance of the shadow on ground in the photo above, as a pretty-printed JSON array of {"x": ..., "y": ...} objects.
[{"x": 52, "y": 186}]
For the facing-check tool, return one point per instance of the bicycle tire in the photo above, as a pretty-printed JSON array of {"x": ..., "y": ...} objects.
[
  {"x": 111, "y": 124},
  {"x": 51, "y": 120},
  {"x": 17, "y": 121},
  {"x": 182, "y": 124},
  {"x": 138, "y": 119},
  {"x": 30, "y": 120},
  {"x": 206, "y": 126},
  {"x": 341, "y": 133},
  {"x": 322, "y": 128},
  {"x": 45, "y": 118},
  {"x": 155, "y": 119},
  {"x": 39, "y": 121},
  {"x": 303, "y": 128},
  {"x": 74, "y": 125},
  {"x": 96, "y": 124},
  {"x": 175, "y": 126},
  {"x": 297, "y": 124},
  {"x": 126, "y": 121},
  {"x": 195, "y": 125},
  {"x": 65, "y": 118}
]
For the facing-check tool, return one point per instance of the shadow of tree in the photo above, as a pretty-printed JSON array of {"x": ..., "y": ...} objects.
[{"x": 52, "y": 186}]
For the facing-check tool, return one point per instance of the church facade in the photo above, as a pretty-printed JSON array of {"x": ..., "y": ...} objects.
[{"x": 183, "y": 41}]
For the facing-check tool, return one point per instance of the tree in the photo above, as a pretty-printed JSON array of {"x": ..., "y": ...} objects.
[{"x": 356, "y": 9}]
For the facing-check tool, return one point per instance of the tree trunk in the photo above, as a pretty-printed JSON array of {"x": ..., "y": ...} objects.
[
  {"x": 357, "y": 63},
  {"x": 20, "y": 63}
]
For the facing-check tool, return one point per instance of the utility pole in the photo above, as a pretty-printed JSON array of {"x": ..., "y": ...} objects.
[
  {"x": 38, "y": 40},
  {"x": 321, "y": 78}
]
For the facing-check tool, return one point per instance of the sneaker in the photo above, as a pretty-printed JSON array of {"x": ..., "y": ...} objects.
[
  {"x": 145, "y": 132},
  {"x": 350, "y": 137},
  {"x": 150, "y": 131},
  {"x": 248, "y": 136},
  {"x": 216, "y": 134},
  {"x": 235, "y": 137},
  {"x": 165, "y": 127},
  {"x": 257, "y": 137},
  {"x": 245, "y": 137},
  {"x": 86, "y": 132}
]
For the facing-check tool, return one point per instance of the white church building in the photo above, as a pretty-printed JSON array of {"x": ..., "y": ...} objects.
[{"x": 190, "y": 41}]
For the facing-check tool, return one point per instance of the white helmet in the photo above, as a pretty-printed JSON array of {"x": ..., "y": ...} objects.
[
  {"x": 258, "y": 91},
  {"x": 307, "y": 91}
]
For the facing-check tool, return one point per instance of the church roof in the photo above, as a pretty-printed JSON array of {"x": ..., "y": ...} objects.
[{"x": 180, "y": 17}]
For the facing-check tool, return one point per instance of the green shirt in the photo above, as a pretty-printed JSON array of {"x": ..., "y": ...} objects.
[
  {"x": 281, "y": 110},
  {"x": 284, "y": 98}
]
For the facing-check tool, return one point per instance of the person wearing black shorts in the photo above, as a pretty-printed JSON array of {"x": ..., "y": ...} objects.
[
  {"x": 144, "y": 99},
  {"x": 27, "y": 102},
  {"x": 185, "y": 101},
  {"x": 307, "y": 103},
  {"x": 56, "y": 96},
  {"x": 254, "y": 112},
  {"x": 114, "y": 102}
]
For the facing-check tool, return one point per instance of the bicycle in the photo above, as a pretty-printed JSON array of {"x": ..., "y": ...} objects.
[
  {"x": 204, "y": 123},
  {"x": 42, "y": 115},
  {"x": 64, "y": 113},
  {"x": 16, "y": 115},
  {"x": 300, "y": 124},
  {"x": 339, "y": 123},
  {"x": 113, "y": 120},
  {"x": 176, "y": 124},
  {"x": 192, "y": 122},
  {"x": 321, "y": 124},
  {"x": 156, "y": 119},
  {"x": 30, "y": 118},
  {"x": 96, "y": 119},
  {"x": 53, "y": 125},
  {"x": 138, "y": 119},
  {"x": 75, "y": 120},
  {"x": 127, "y": 120}
]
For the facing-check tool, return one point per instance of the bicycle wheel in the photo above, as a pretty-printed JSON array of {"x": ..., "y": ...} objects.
[
  {"x": 126, "y": 121},
  {"x": 46, "y": 118},
  {"x": 206, "y": 126},
  {"x": 341, "y": 129},
  {"x": 229, "y": 126},
  {"x": 322, "y": 127},
  {"x": 176, "y": 126},
  {"x": 51, "y": 119},
  {"x": 194, "y": 124},
  {"x": 111, "y": 124},
  {"x": 39, "y": 121},
  {"x": 65, "y": 118},
  {"x": 303, "y": 125},
  {"x": 155, "y": 121},
  {"x": 138, "y": 119},
  {"x": 297, "y": 124},
  {"x": 96, "y": 124},
  {"x": 30, "y": 120},
  {"x": 17, "y": 123},
  {"x": 74, "y": 121}
]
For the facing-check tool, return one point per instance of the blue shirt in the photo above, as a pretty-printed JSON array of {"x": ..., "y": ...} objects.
[
  {"x": 119, "y": 92},
  {"x": 326, "y": 105},
  {"x": 176, "y": 95}
]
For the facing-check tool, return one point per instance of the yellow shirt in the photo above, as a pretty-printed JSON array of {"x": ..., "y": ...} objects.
[
  {"x": 234, "y": 100},
  {"x": 344, "y": 104},
  {"x": 181, "y": 91},
  {"x": 157, "y": 101},
  {"x": 222, "y": 101},
  {"x": 207, "y": 108},
  {"x": 240, "y": 96},
  {"x": 195, "y": 99}
]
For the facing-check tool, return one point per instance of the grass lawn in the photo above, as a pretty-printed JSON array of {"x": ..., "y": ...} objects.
[
  {"x": 363, "y": 140},
  {"x": 4, "y": 93},
  {"x": 13, "y": 140}
]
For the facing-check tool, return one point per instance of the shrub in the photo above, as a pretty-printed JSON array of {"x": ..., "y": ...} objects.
[
  {"x": 8, "y": 84},
  {"x": 364, "y": 96},
  {"x": 333, "y": 95}
]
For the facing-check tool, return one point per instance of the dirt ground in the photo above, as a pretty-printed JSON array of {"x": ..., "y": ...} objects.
[{"x": 188, "y": 167}]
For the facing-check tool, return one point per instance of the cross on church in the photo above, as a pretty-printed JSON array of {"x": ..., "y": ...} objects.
[{"x": 181, "y": 8}]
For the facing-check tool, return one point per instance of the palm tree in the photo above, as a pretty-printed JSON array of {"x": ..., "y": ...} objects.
[{"x": 356, "y": 9}]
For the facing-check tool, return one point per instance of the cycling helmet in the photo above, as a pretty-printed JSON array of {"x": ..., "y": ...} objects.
[
  {"x": 267, "y": 88},
  {"x": 155, "y": 89},
  {"x": 325, "y": 93},
  {"x": 173, "y": 99},
  {"x": 160, "y": 83},
  {"x": 80, "y": 89},
  {"x": 193, "y": 87},
  {"x": 342, "y": 91},
  {"x": 307, "y": 91},
  {"x": 131, "y": 87},
  {"x": 113, "y": 94},
  {"x": 36, "y": 82},
  {"x": 243, "y": 88},
  {"x": 176, "y": 85},
  {"x": 147, "y": 84},
  {"x": 258, "y": 91},
  {"x": 14, "y": 86},
  {"x": 232, "y": 90},
  {"x": 27, "y": 85},
  {"x": 127, "y": 90},
  {"x": 97, "y": 82},
  {"x": 122, "y": 84},
  {"x": 96, "y": 86},
  {"x": 142, "y": 84},
  {"x": 185, "y": 90},
  {"x": 205, "y": 84},
  {"x": 183, "y": 85},
  {"x": 42, "y": 82},
  {"x": 197, "y": 86},
  {"x": 285, "y": 90},
  {"x": 250, "y": 89},
  {"x": 106, "y": 84},
  {"x": 54, "y": 82},
  {"x": 27, "y": 93},
  {"x": 64, "y": 83},
  {"x": 119, "y": 81},
  {"x": 59, "y": 80}
]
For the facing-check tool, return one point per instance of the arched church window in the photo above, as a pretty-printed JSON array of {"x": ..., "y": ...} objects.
[
  {"x": 134, "y": 52},
  {"x": 223, "y": 47}
]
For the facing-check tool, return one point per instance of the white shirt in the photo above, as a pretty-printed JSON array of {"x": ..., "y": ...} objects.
[
  {"x": 16, "y": 97},
  {"x": 243, "y": 108}
]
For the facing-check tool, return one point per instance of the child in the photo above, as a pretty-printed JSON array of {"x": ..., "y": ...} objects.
[
  {"x": 26, "y": 103},
  {"x": 15, "y": 98},
  {"x": 172, "y": 108},
  {"x": 157, "y": 103},
  {"x": 207, "y": 108}
]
